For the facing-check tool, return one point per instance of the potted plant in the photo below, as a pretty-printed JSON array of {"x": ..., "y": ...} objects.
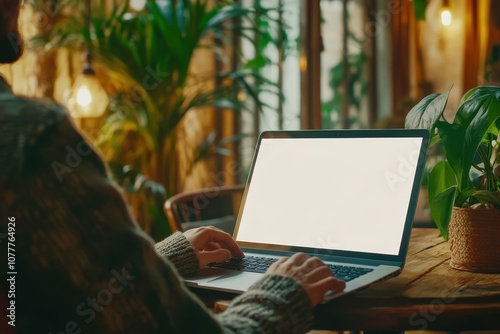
[{"x": 464, "y": 189}]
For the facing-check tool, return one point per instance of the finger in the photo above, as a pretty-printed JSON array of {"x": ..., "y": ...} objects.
[
  {"x": 273, "y": 266},
  {"x": 318, "y": 289},
  {"x": 212, "y": 246},
  {"x": 318, "y": 274},
  {"x": 201, "y": 236},
  {"x": 299, "y": 258},
  {"x": 329, "y": 283},
  {"x": 338, "y": 285},
  {"x": 220, "y": 236},
  {"x": 223, "y": 245},
  {"x": 312, "y": 263},
  {"x": 217, "y": 256}
]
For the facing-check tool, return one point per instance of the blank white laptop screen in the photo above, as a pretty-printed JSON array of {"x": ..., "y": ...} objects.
[{"x": 349, "y": 194}]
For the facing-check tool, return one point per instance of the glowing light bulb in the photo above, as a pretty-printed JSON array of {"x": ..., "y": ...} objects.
[
  {"x": 88, "y": 97},
  {"x": 83, "y": 96},
  {"x": 446, "y": 17},
  {"x": 137, "y": 5}
]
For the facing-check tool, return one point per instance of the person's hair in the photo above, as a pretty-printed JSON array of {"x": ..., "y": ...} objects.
[
  {"x": 11, "y": 48},
  {"x": 11, "y": 43}
]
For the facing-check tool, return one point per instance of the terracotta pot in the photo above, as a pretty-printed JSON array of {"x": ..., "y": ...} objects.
[{"x": 475, "y": 240}]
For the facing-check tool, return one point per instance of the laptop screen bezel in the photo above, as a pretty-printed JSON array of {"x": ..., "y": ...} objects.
[{"x": 398, "y": 259}]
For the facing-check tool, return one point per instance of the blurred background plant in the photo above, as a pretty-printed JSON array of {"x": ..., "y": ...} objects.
[
  {"x": 147, "y": 55},
  {"x": 356, "y": 90},
  {"x": 347, "y": 80}
]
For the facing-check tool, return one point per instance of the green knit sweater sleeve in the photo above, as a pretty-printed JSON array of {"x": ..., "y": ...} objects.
[
  {"x": 179, "y": 251},
  {"x": 275, "y": 304}
]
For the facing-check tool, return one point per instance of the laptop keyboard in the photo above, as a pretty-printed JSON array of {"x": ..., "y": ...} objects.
[
  {"x": 258, "y": 264},
  {"x": 254, "y": 264},
  {"x": 348, "y": 273}
]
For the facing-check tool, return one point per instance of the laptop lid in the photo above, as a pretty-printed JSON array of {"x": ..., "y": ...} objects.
[{"x": 343, "y": 194}]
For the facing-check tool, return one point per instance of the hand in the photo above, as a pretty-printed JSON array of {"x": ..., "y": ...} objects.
[
  {"x": 212, "y": 245},
  {"x": 314, "y": 276}
]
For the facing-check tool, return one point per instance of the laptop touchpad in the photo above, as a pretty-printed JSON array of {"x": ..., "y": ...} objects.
[{"x": 238, "y": 280}]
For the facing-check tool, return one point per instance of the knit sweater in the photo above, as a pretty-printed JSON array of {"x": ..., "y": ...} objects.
[{"x": 83, "y": 265}]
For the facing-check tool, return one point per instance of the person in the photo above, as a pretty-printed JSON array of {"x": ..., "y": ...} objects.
[{"x": 82, "y": 265}]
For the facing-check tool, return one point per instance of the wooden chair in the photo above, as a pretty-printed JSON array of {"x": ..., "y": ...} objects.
[{"x": 216, "y": 206}]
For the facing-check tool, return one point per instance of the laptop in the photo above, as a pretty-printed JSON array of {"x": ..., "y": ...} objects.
[{"x": 345, "y": 196}]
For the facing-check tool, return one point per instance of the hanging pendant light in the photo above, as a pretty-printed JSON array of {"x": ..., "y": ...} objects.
[
  {"x": 88, "y": 98},
  {"x": 446, "y": 13}
]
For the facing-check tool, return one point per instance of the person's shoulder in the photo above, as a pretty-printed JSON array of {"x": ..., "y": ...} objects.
[
  {"x": 23, "y": 120},
  {"x": 23, "y": 112},
  {"x": 28, "y": 116}
]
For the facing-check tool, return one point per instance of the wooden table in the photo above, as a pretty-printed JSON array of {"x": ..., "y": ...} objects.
[{"x": 427, "y": 295}]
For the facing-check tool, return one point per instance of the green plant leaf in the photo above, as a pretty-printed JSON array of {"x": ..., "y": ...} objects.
[
  {"x": 420, "y": 6},
  {"x": 462, "y": 197},
  {"x": 478, "y": 113},
  {"x": 485, "y": 197},
  {"x": 425, "y": 114},
  {"x": 256, "y": 63},
  {"x": 452, "y": 137},
  {"x": 441, "y": 191}
]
